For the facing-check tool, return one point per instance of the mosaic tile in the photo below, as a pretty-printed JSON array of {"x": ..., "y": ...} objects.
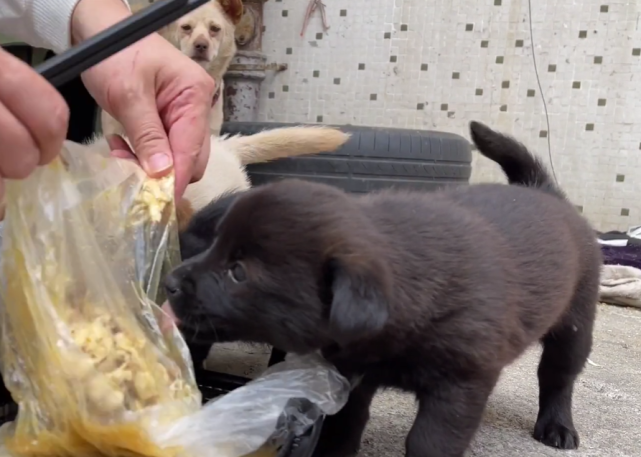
[{"x": 587, "y": 47}]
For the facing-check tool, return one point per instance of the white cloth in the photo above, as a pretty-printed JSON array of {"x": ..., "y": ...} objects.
[
  {"x": 620, "y": 285},
  {"x": 39, "y": 23}
]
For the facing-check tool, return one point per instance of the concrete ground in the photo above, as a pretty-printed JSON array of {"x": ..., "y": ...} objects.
[{"x": 607, "y": 401}]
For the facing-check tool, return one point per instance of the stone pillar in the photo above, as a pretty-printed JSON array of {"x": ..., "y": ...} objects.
[{"x": 247, "y": 70}]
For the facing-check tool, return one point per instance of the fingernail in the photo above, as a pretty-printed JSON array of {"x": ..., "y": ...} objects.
[{"x": 158, "y": 163}]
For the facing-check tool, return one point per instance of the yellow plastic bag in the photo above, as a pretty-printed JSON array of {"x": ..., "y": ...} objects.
[{"x": 86, "y": 242}]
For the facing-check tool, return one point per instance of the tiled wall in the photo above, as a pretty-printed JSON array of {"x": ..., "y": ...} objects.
[{"x": 438, "y": 64}]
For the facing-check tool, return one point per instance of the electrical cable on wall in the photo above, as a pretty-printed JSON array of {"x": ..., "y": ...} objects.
[{"x": 538, "y": 80}]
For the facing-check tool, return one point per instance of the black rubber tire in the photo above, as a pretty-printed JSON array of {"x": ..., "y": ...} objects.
[{"x": 373, "y": 158}]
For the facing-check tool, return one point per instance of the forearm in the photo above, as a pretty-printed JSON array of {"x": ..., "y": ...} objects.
[{"x": 57, "y": 24}]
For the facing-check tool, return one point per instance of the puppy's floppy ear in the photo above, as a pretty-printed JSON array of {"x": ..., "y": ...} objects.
[
  {"x": 359, "y": 305},
  {"x": 234, "y": 9}
]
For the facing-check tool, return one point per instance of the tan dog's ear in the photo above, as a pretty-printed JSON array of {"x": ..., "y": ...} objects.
[
  {"x": 184, "y": 213},
  {"x": 234, "y": 9}
]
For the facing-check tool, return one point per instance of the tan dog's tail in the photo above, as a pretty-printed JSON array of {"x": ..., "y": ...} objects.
[{"x": 285, "y": 142}]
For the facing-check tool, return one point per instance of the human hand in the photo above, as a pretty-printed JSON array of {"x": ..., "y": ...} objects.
[
  {"x": 33, "y": 120},
  {"x": 161, "y": 97}
]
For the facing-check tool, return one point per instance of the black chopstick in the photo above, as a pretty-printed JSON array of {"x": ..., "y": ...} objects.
[{"x": 71, "y": 63}]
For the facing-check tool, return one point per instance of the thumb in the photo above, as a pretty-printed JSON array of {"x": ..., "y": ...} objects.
[{"x": 145, "y": 130}]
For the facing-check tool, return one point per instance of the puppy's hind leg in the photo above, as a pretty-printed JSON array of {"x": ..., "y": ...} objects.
[
  {"x": 448, "y": 416},
  {"x": 565, "y": 350}
]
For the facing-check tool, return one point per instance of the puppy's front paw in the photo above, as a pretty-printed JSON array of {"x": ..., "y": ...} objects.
[{"x": 553, "y": 433}]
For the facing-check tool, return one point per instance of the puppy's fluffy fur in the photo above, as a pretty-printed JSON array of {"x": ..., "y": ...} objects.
[
  {"x": 206, "y": 35},
  {"x": 432, "y": 293}
]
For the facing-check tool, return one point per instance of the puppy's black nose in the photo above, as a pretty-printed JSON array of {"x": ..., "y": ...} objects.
[{"x": 173, "y": 284}]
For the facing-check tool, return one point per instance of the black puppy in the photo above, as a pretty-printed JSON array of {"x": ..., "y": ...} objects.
[{"x": 432, "y": 293}]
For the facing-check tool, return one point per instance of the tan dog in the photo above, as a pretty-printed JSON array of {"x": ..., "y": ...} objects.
[
  {"x": 206, "y": 35},
  {"x": 225, "y": 172}
]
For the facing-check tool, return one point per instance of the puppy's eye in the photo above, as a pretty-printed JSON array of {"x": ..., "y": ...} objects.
[
  {"x": 186, "y": 27},
  {"x": 237, "y": 273},
  {"x": 214, "y": 29}
]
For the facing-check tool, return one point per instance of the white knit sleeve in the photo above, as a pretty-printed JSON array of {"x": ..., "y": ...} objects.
[{"x": 39, "y": 23}]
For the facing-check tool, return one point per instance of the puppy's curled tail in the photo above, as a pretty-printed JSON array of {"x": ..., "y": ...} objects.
[
  {"x": 285, "y": 142},
  {"x": 521, "y": 167}
]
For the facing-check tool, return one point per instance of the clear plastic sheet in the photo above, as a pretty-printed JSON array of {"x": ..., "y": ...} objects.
[{"x": 87, "y": 240}]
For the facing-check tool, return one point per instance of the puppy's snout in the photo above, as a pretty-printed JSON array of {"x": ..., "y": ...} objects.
[
  {"x": 201, "y": 45},
  {"x": 173, "y": 284},
  {"x": 179, "y": 283}
]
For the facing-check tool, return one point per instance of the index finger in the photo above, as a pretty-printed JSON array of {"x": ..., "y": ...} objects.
[{"x": 189, "y": 142}]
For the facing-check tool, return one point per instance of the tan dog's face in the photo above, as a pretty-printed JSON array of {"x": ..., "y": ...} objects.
[
  {"x": 199, "y": 35},
  {"x": 207, "y": 32}
]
